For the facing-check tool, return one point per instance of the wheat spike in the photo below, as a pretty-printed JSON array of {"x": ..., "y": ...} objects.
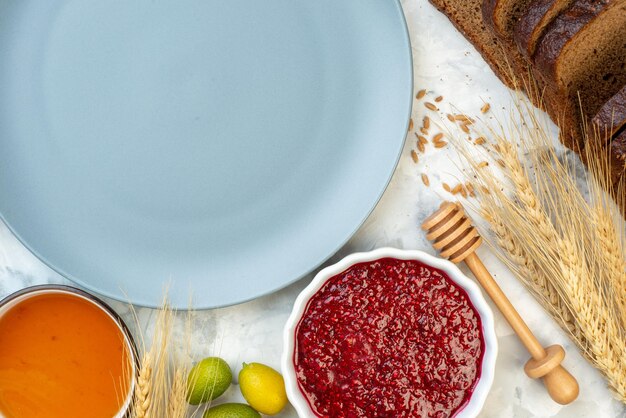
[
  {"x": 143, "y": 392},
  {"x": 537, "y": 217},
  {"x": 611, "y": 266},
  {"x": 568, "y": 251},
  {"x": 566, "y": 263},
  {"x": 177, "y": 407},
  {"x": 525, "y": 268},
  {"x": 608, "y": 229},
  {"x": 564, "y": 256}
]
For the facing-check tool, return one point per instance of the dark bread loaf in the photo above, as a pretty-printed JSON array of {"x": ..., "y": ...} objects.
[
  {"x": 467, "y": 17},
  {"x": 502, "y": 15},
  {"x": 581, "y": 61},
  {"x": 532, "y": 23},
  {"x": 612, "y": 115}
]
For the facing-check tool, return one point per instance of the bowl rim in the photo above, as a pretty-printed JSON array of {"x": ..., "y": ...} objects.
[
  {"x": 31, "y": 291},
  {"x": 477, "y": 399}
]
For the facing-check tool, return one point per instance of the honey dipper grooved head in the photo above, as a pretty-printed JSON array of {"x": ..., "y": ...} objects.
[{"x": 452, "y": 232}]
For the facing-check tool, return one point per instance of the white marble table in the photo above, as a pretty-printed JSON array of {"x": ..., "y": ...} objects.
[{"x": 448, "y": 65}]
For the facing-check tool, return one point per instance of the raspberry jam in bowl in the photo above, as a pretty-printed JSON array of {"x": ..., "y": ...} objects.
[{"x": 389, "y": 333}]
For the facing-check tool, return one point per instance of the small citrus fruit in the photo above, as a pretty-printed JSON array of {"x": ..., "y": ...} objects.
[
  {"x": 231, "y": 410},
  {"x": 263, "y": 388},
  {"x": 207, "y": 380}
]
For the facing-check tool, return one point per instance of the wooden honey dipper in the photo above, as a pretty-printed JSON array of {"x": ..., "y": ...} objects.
[{"x": 454, "y": 236}]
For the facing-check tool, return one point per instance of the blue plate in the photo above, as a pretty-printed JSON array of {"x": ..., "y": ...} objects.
[{"x": 226, "y": 148}]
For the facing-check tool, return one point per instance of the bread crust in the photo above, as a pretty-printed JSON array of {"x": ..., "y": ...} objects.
[
  {"x": 534, "y": 21},
  {"x": 501, "y": 16},
  {"x": 563, "y": 30},
  {"x": 612, "y": 115},
  {"x": 488, "y": 9}
]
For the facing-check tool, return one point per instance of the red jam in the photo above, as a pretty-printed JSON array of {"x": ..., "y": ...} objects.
[{"x": 389, "y": 338}]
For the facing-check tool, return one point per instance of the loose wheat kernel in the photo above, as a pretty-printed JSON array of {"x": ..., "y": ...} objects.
[{"x": 464, "y": 118}]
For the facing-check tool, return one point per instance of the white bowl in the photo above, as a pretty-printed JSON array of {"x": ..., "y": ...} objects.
[{"x": 473, "y": 407}]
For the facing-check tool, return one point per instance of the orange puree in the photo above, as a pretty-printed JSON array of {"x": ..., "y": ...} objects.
[{"x": 61, "y": 356}]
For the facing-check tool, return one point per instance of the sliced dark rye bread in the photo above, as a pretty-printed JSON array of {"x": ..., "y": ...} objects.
[
  {"x": 531, "y": 24},
  {"x": 583, "y": 51},
  {"x": 582, "y": 54},
  {"x": 502, "y": 15},
  {"x": 466, "y": 16},
  {"x": 612, "y": 115}
]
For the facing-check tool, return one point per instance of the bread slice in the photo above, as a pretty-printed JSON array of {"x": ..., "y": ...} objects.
[
  {"x": 467, "y": 17},
  {"x": 532, "y": 23},
  {"x": 612, "y": 115},
  {"x": 581, "y": 60},
  {"x": 502, "y": 15}
]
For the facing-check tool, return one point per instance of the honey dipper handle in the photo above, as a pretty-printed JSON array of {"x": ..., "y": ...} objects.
[
  {"x": 504, "y": 305},
  {"x": 545, "y": 363}
]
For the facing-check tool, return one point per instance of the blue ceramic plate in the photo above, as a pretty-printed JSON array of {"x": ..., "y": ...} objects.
[{"x": 224, "y": 147}]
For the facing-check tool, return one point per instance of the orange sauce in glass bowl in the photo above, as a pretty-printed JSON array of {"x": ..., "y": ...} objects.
[{"x": 62, "y": 356}]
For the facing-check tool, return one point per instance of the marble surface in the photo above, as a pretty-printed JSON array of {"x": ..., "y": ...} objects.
[{"x": 446, "y": 64}]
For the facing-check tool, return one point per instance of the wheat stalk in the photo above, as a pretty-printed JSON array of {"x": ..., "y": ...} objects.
[
  {"x": 610, "y": 265},
  {"x": 525, "y": 268},
  {"x": 563, "y": 253},
  {"x": 152, "y": 389},
  {"x": 161, "y": 372},
  {"x": 567, "y": 250},
  {"x": 177, "y": 406},
  {"x": 493, "y": 204},
  {"x": 143, "y": 392},
  {"x": 152, "y": 379},
  {"x": 161, "y": 381}
]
